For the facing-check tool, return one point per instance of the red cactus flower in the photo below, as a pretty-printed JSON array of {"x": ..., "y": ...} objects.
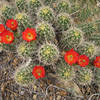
[
  {"x": 38, "y": 72},
  {"x": 29, "y": 34},
  {"x": 83, "y": 60},
  {"x": 71, "y": 57},
  {"x": 7, "y": 37},
  {"x": 1, "y": 40},
  {"x": 97, "y": 62},
  {"x": 2, "y": 28},
  {"x": 12, "y": 24}
]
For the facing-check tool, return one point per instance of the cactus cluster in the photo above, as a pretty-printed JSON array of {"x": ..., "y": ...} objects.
[{"x": 60, "y": 25}]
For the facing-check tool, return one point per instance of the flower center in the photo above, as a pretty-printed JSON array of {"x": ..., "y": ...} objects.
[
  {"x": 12, "y": 22},
  {"x": 9, "y": 38},
  {"x": 30, "y": 36},
  {"x": 39, "y": 72},
  {"x": 70, "y": 57},
  {"x": 83, "y": 60}
]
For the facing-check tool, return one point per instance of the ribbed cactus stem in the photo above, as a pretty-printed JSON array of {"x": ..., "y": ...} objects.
[
  {"x": 48, "y": 54},
  {"x": 63, "y": 22},
  {"x": 84, "y": 76},
  {"x": 24, "y": 21},
  {"x": 62, "y": 6},
  {"x": 65, "y": 71},
  {"x": 21, "y": 5},
  {"x": 71, "y": 38},
  {"x": 26, "y": 49},
  {"x": 46, "y": 14},
  {"x": 23, "y": 75},
  {"x": 45, "y": 32},
  {"x": 87, "y": 48}
]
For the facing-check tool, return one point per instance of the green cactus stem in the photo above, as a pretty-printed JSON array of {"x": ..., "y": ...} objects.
[
  {"x": 63, "y": 22},
  {"x": 71, "y": 38},
  {"x": 45, "y": 32},
  {"x": 84, "y": 76},
  {"x": 48, "y": 54},
  {"x": 46, "y": 14}
]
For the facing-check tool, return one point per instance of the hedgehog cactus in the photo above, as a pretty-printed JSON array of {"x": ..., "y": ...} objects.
[
  {"x": 49, "y": 2},
  {"x": 48, "y": 54},
  {"x": 45, "y": 32},
  {"x": 88, "y": 29},
  {"x": 84, "y": 76},
  {"x": 21, "y": 5},
  {"x": 87, "y": 48},
  {"x": 97, "y": 76},
  {"x": 62, "y": 6},
  {"x": 95, "y": 39},
  {"x": 26, "y": 49},
  {"x": 7, "y": 11},
  {"x": 23, "y": 21},
  {"x": 65, "y": 71},
  {"x": 46, "y": 14},
  {"x": 34, "y": 5},
  {"x": 84, "y": 14},
  {"x": 23, "y": 75},
  {"x": 71, "y": 38},
  {"x": 63, "y": 22}
]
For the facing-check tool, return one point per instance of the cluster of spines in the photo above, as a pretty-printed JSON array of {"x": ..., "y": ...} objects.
[
  {"x": 63, "y": 22},
  {"x": 25, "y": 49},
  {"x": 46, "y": 14},
  {"x": 24, "y": 21},
  {"x": 87, "y": 48},
  {"x": 7, "y": 11},
  {"x": 65, "y": 71},
  {"x": 48, "y": 54},
  {"x": 45, "y": 32},
  {"x": 23, "y": 75},
  {"x": 71, "y": 38},
  {"x": 84, "y": 76}
]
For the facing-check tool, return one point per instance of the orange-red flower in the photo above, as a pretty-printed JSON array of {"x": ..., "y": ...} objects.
[
  {"x": 29, "y": 34},
  {"x": 7, "y": 37},
  {"x": 83, "y": 60},
  {"x": 2, "y": 28},
  {"x": 71, "y": 57},
  {"x": 97, "y": 62},
  {"x": 12, "y": 24},
  {"x": 38, "y": 72},
  {"x": 1, "y": 40}
]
